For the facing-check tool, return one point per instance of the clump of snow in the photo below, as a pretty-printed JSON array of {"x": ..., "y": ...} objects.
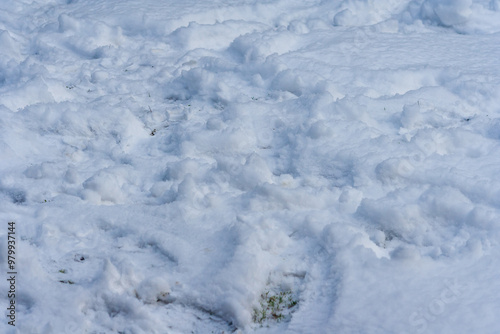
[{"x": 153, "y": 290}]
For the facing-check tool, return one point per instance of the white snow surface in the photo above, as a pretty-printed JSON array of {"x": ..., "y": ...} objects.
[{"x": 167, "y": 163}]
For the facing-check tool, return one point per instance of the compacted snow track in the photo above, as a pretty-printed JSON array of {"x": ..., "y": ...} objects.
[{"x": 251, "y": 166}]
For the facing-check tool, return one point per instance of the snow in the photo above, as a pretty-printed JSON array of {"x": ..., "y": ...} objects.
[{"x": 171, "y": 166}]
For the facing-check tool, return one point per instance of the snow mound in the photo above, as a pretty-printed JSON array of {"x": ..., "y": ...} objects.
[
  {"x": 464, "y": 16},
  {"x": 447, "y": 13}
]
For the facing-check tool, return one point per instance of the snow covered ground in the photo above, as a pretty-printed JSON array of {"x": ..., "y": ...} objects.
[{"x": 274, "y": 166}]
